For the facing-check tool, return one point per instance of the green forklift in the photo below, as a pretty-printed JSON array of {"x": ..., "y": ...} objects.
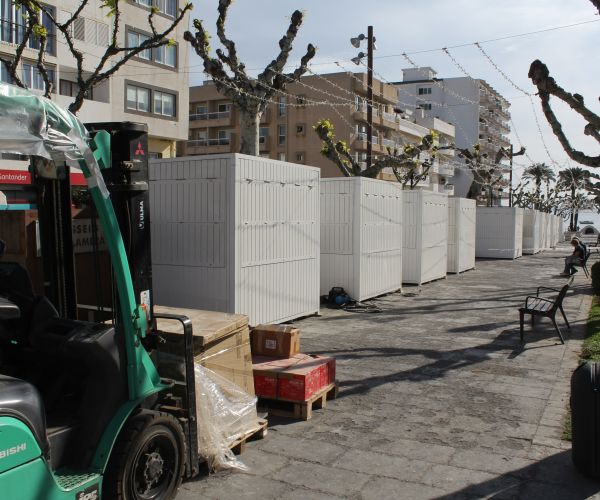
[{"x": 84, "y": 412}]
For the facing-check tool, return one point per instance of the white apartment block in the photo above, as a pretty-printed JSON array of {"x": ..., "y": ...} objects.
[
  {"x": 148, "y": 89},
  {"x": 478, "y": 112}
]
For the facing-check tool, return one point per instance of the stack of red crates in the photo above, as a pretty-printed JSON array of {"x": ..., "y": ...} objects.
[{"x": 281, "y": 372}]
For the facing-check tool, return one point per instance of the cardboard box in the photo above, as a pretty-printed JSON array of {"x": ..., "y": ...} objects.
[
  {"x": 221, "y": 343},
  {"x": 275, "y": 340},
  {"x": 293, "y": 379}
]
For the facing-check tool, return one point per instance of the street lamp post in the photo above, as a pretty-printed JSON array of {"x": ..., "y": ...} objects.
[{"x": 370, "y": 46}]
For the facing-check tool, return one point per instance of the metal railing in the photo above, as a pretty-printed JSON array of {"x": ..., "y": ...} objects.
[
  {"x": 363, "y": 137},
  {"x": 216, "y": 115},
  {"x": 221, "y": 141},
  {"x": 14, "y": 32}
]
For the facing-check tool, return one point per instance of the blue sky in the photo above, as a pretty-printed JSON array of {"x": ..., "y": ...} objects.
[{"x": 410, "y": 26}]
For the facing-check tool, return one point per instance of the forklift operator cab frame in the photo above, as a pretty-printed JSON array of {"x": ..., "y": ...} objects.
[{"x": 32, "y": 125}]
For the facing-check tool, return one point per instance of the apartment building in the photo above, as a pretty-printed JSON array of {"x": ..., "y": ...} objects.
[
  {"x": 286, "y": 126},
  {"x": 148, "y": 89},
  {"x": 478, "y": 112}
]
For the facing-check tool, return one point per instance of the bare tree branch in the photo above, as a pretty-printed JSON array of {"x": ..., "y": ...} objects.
[
  {"x": 547, "y": 86},
  {"x": 250, "y": 96}
]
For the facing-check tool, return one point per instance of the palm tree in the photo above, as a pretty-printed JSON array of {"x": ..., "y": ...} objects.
[
  {"x": 539, "y": 173},
  {"x": 572, "y": 179}
]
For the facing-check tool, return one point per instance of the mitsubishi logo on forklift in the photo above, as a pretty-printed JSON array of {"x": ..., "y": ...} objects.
[{"x": 139, "y": 151}]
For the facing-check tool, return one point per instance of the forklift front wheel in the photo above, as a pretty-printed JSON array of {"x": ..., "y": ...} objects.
[{"x": 147, "y": 460}]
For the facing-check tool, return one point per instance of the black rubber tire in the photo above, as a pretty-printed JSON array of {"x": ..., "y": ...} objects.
[{"x": 141, "y": 430}]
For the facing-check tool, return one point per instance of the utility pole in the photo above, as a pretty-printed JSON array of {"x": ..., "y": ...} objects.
[
  {"x": 369, "y": 96},
  {"x": 355, "y": 41}
]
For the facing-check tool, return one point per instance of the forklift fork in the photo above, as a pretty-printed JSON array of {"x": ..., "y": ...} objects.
[{"x": 191, "y": 430}]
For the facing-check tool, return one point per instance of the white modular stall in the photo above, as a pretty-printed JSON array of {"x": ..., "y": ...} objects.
[
  {"x": 499, "y": 232},
  {"x": 425, "y": 236},
  {"x": 461, "y": 234},
  {"x": 533, "y": 220},
  {"x": 361, "y": 236},
  {"x": 236, "y": 233}
]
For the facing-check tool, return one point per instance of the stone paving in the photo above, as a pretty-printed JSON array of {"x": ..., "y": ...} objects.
[{"x": 438, "y": 399}]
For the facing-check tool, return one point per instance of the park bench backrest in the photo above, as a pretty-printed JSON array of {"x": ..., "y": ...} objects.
[{"x": 561, "y": 296}]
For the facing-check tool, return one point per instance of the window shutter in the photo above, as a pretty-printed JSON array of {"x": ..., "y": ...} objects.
[
  {"x": 79, "y": 29},
  {"x": 102, "y": 32}
]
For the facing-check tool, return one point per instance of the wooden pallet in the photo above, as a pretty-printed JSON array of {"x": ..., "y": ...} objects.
[
  {"x": 299, "y": 410},
  {"x": 259, "y": 432}
]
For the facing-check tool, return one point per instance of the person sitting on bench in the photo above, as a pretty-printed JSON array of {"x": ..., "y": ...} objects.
[{"x": 575, "y": 258}]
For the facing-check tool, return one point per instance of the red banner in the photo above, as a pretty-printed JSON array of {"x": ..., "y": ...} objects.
[
  {"x": 24, "y": 177},
  {"x": 15, "y": 177}
]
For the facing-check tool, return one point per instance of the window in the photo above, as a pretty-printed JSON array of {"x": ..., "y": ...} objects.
[
  {"x": 224, "y": 108},
  {"x": 424, "y": 105},
  {"x": 281, "y": 156},
  {"x": 12, "y": 27},
  {"x": 224, "y": 137},
  {"x": 4, "y": 76},
  {"x": 164, "y": 103},
  {"x": 300, "y": 157},
  {"x": 282, "y": 106},
  {"x": 138, "y": 98},
  {"x": 300, "y": 128},
  {"x": 135, "y": 39},
  {"x": 281, "y": 131},
  {"x": 263, "y": 133},
  {"x": 201, "y": 109},
  {"x": 301, "y": 101},
  {"x": 166, "y": 54},
  {"x": 33, "y": 79},
  {"x": 154, "y": 156},
  {"x": 167, "y": 7},
  {"x": 70, "y": 89},
  {"x": 424, "y": 90}
]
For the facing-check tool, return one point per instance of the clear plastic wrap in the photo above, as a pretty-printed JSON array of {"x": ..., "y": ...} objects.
[
  {"x": 225, "y": 414},
  {"x": 35, "y": 126}
]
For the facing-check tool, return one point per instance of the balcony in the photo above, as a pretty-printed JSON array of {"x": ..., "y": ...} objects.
[
  {"x": 210, "y": 145},
  {"x": 210, "y": 119},
  {"x": 360, "y": 143}
]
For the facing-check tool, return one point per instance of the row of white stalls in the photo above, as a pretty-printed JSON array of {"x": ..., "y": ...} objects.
[
  {"x": 510, "y": 232},
  {"x": 265, "y": 238}
]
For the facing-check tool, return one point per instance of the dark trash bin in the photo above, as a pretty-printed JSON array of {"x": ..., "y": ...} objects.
[{"x": 585, "y": 416}]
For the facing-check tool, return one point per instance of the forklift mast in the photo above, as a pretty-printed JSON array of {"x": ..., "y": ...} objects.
[{"x": 126, "y": 178}]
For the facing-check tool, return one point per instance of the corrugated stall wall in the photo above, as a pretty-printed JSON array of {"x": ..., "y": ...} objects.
[
  {"x": 549, "y": 231},
  {"x": 532, "y": 231},
  {"x": 499, "y": 232},
  {"x": 361, "y": 236},
  {"x": 425, "y": 236},
  {"x": 461, "y": 234},
  {"x": 543, "y": 230},
  {"x": 236, "y": 233}
]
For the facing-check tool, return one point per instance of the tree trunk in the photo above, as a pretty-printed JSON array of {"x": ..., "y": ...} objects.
[
  {"x": 249, "y": 125},
  {"x": 576, "y": 220}
]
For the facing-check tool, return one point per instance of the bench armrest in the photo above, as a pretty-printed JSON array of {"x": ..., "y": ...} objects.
[{"x": 546, "y": 288}]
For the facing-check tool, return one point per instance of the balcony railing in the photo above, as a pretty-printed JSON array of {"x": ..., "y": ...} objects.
[
  {"x": 363, "y": 137},
  {"x": 198, "y": 143},
  {"x": 389, "y": 143},
  {"x": 216, "y": 115},
  {"x": 14, "y": 33}
]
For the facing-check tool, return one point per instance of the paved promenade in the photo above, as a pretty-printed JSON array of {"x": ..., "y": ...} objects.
[{"x": 438, "y": 399}]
